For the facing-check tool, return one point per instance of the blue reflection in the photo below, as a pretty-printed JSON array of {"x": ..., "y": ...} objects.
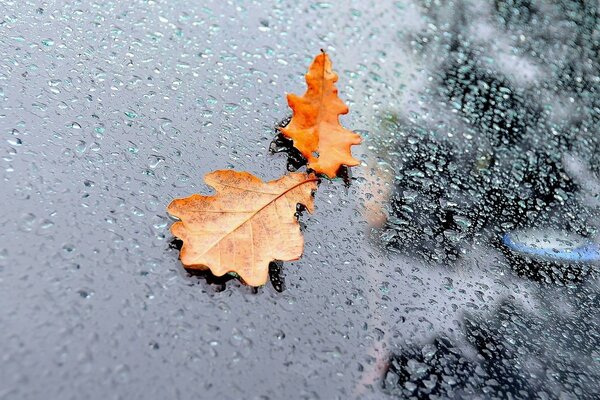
[{"x": 588, "y": 252}]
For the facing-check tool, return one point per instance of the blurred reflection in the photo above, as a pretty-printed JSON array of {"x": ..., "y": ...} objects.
[
  {"x": 509, "y": 151},
  {"x": 517, "y": 355},
  {"x": 501, "y": 165}
]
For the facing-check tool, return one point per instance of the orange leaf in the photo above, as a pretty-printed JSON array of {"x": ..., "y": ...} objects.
[
  {"x": 245, "y": 225},
  {"x": 315, "y": 128}
]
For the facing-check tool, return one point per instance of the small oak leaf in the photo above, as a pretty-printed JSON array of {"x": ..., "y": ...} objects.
[{"x": 315, "y": 128}]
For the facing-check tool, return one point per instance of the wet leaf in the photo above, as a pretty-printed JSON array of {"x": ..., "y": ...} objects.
[
  {"x": 245, "y": 225},
  {"x": 315, "y": 128}
]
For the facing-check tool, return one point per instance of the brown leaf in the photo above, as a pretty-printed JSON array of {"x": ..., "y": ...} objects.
[
  {"x": 315, "y": 128},
  {"x": 245, "y": 225}
]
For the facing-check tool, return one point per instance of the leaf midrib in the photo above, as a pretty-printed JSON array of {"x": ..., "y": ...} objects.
[
  {"x": 321, "y": 94},
  {"x": 252, "y": 215}
]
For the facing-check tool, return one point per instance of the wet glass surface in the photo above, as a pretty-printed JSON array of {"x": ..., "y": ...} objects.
[{"x": 459, "y": 260}]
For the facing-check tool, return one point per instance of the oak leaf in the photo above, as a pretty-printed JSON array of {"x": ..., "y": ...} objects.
[
  {"x": 315, "y": 128},
  {"x": 243, "y": 227}
]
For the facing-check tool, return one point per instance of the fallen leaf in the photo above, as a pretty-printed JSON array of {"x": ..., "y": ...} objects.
[
  {"x": 315, "y": 128},
  {"x": 247, "y": 224}
]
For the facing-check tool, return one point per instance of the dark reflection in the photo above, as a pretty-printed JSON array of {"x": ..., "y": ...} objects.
[
  {"x": 438, "y": 369},
  {"x": 176, "y": 244},
  {"x": 346, "y": 174},
  {"x": 511, "y": 348},
  {"x": 219, "y": 282},
  {"x": 496, "y": 162},
  {"x": 444, "y": 196},
  {"x": 503, "y": 167},
  {"x": 276, "y": 275},
  {"x": 281, "y": 144}
]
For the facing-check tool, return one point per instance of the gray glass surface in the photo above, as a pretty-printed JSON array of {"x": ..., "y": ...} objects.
[{"x": 480, "y": 124}]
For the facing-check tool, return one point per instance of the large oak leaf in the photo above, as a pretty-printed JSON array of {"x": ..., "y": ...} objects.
[{"x": 247, "y": 224}]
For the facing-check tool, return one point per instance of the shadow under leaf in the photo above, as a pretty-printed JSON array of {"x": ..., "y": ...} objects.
[
  {"x": 281, "y": 144},
  {"x": 220, "y": 282}
]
